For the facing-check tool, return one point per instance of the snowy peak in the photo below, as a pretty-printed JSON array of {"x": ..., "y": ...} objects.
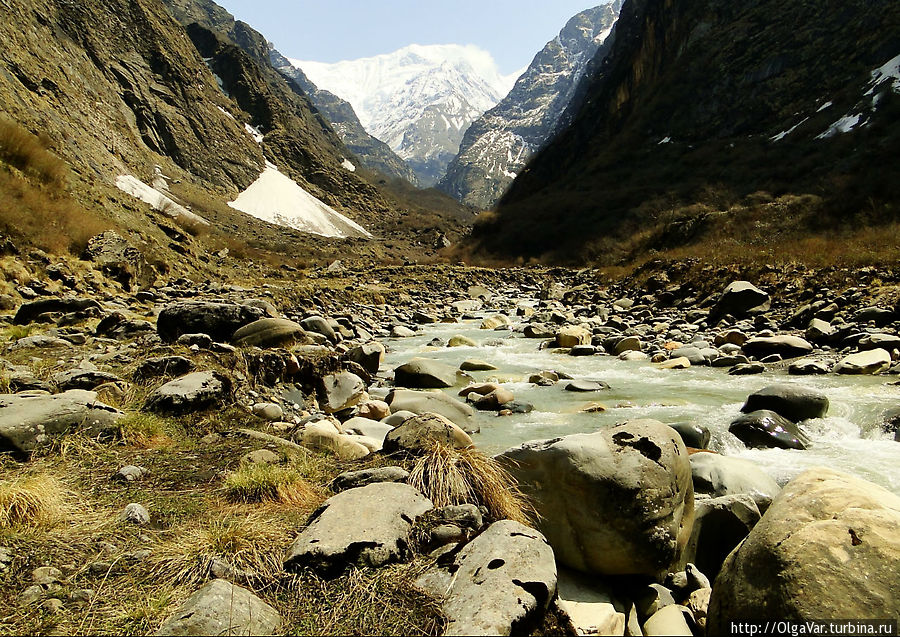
[{"x": 419, "y": 99}]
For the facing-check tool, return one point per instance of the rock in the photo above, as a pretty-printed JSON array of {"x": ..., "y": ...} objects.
[
  {"x": 417, "y": 434},
  {"x": 27, "y": 312},
  {"x": 614, "y": 502},
  {"x": 268, "y": 411},
  {"x": 887, "y": 342},
  {"x": 363, "y": 477},
  {"x": 83, "y": 379},
  {"x": 819, "y": 331},
  {"x": 195, "y": 341},
  {"x": 261, "y": 456},
  {"x": 589, "y": 606},
  {"x": 319, "y": 325},
  {"x": 461, "y": 341},
  {"x": 740, "y": 299},
  {"x": 28, "y": 420},
  {"x": 764, "y": 428},
  {"x": 421, "y": 402},
  {"x": 784, "y": 345},
  {"x": 401, "y": 331},
  {"x": 651, "y": 599},
  {"x": 495, "y": 400},
  {"x": 693, "y": 435},
  {"x": 668, "y": 620},
  {"x": 720, "y": 524},
  {"x": 218, "y": 319},
  {"x": 698, "y": 604},
  {"x": 31, "y": 595},
  {"x": 628, "y": 344},
  {"x": 717, "y": 475},
  {"x": 493, "y": 322},
  {"x": 872, "y": 361},
  {"x": 475, "y": 365},
  {"x": 807, "y": 367},
  {"x": 372, "y": 409},
  {"x": 366, "y": 427},
  {"x": 222, "y": 608},
  {"x": 341, "y": 391},
  {"x": 52, "y": 606},
  {"x": 794, "y": 402},
  {"x": 135, "y": 513},
  {"x": 321, "y": 437},
  {"x": 675, "y": 363},
  {"x": 586, "y": 386},
  {"x": 693, "y": 354},
  {"x": 538, "y": 330},
  {"x": 269, "y": 332},
  {"x": 42, "y": 341},
  {"x": 500, "y": 581},
  {"x": 120, "y": 261},
  {"x": 573, "y": 335},
  {"x": 46, "y": 575},
  {"x": 190, "y": 393},
  {"x": 368, "y": 356},
  {"x": 366, "y": 526},
  {"x": 544, "y": 378},
  {"x": 826, "y": 549},
  {"x": 423, "y": 373},
  {"x": 130, "y": 473},
  {"x": 163, "y": 366}
]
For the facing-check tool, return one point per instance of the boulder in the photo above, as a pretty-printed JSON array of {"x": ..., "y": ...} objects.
[
  {"x": 764, "y": 428},
  {"x": 222, "y": 608},
  {"x": 588, "y": 605},
  {"x": 461, "y": 341},
  {"x": 421, "y": 402},
  {"x": 615, "y": 502},
  {"x": 501, "y": 581},
  {"x": 368, "y": 526},
  {"x": 28, "y": 420},
  {"x": 586, "y": 386},
  {"x": 340, "y": 391},
  {"x": 675, "y": 363},
  {"x": 784, "y": 345},
  {"x": 693, "y": 435},
  {"x": 27, "y": 312},
  {"x": 372, "y": 409},
  {"x": 493, "y": 322},
  {"x": 872, "y": 361},
  {"x": 319, "y": 325},
  {"x": 827, "y": 548},
  {"x": 423, "y": 373},
  {"x": 887, "y": 342},
  {"x": 368, "y": 356},
  {"x": 720, "y": 524},
  {"x": 420, "y": 432},
  {"x": 807, "y": 367},
  {"x": 163, "y": 366},
  {"x": 693, "y": 354},
  {"x": 628, "y": 344},
  {"x": 269, "y": 332},
  {"x": 717, "y": 475},
  {"x": 794, "y": 402},
  {"x": 573, "y": 335},
  {"x": 401, "y": 331},
  {"x": 538, "y": 330},
  {"x": 495, "y": 400},
  {"x": 475, "y": 365},
  {"x": 218, "y": 319},
  {"x": 83, "y": 379},
  {"x": 323, "y": 437},
  {"x": 190, "y": 393},
  {"x": 363, "y": 477},
  {"x": 669, "y": 621},
  {"x": 120, "y": 261},
  {"x": 740, "y": 299}
]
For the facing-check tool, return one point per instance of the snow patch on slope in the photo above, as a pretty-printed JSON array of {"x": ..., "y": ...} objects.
[
  {"x": 278, "y": 199},
  {"x": 158, "y": 200}
]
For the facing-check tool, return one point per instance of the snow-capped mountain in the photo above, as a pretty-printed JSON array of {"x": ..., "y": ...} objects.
[
  {"x": 419, "y": 99},
  {"x": 498, "y": 144}
]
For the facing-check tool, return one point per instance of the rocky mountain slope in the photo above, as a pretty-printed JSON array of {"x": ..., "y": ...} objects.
[
  {"x": 705, "y": 105},
  {"x": 419, "y": 100},
  {"x": 499, "y": 143}
]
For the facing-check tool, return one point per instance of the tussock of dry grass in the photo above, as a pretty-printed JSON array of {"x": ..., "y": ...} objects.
[
  {"x": 33, "y": 501},
  {"x": 28, "y": 153},
  {"x": 147, "y": 431},
  {"x": 458, "y": 476},
  {"x": 271, "y": 483}
]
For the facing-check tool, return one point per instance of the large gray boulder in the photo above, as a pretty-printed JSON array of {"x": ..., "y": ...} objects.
[
  {"x": 422, "y": 402},
  {"x": 717, "y": 475},
  {"x": 827, "y": 548},
  {"x": 218, "y": 319},
  {"x": 783, "y": 345},
  {"x": 269, "y": 332},
  {"x": 615, "y": 502},
  {"x": 368, "y": 356},
  {"x": 340, "y": 391},
  {"x": 873, "y": 361},
  {"x": 419, "y": 433},
  {"x": 190, "y": 393},
  {"x": 120, "y": 261},
  {"x": 27, "y": 420},
  {"x": 221, "y": 608},
  {"x": 764, "y": 428},
  {"x": 794, "y": 402},
  {"x": 500, "y": 582},
  {"x": 366, "y": 526},
  {"x": 720, "y": 524},
  {"x": 27, "y": 312},
  {"x": 740, "y": 299},
  {"x": 423, "y": 373}
]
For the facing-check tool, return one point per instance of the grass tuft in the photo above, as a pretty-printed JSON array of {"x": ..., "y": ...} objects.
[
  {"x": 26, "y": 152},
  {"x": 35, "y": 501},
  {"x": 271, "y": 483},
  {"x": 458, "y": 476},
  {"x": 148, "y": 431}
]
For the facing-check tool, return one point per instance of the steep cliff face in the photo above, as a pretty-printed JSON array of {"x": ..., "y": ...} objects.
[
  {"x": 499, "y": 143},
  {"x": 701, "y": 95}
]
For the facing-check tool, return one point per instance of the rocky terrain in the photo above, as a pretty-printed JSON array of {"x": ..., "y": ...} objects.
[
  {"x": 705, "y": 110},
  {"x": 169, "y": 448},
  {"x": 498, "y": 145}
]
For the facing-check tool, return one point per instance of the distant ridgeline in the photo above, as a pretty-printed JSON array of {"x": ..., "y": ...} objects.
[{"x": 698, "y": 105}]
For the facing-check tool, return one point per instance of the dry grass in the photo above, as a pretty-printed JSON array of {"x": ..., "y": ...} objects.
[
  {"x": 272, "y": 483},
  {"x": 458, "y": 476},
  {"x": 148, "y": 431},
  {"x": 34, "y": 501},
  {"x": 28, "y": 153}
]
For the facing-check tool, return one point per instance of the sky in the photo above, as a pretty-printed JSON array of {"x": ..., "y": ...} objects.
[{"x": 513, "y": 31}]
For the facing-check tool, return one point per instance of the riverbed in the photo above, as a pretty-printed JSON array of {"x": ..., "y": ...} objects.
[{"x": 848, "y": 438}]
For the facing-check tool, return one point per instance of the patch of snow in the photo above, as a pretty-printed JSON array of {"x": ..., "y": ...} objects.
[
  {"x": 665, "y": 140},
  {"x": 159, "y": 201},
  {"x": 890, "y": 70},
  {"x": 348, "y": 165},
  {"x": 278, "y": 199},
  {"x": 785, "y": 133},
  {"x": 509, "y": 174},
  {"x": 226, "y": 113},
  {"x": 843, "y": 125},
  {"x": 824, "y": 106},
  {"x": 254, "y": 133}
]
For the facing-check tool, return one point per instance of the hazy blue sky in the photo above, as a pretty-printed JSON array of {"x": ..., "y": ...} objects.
[{"x": 512, "y": 30}]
